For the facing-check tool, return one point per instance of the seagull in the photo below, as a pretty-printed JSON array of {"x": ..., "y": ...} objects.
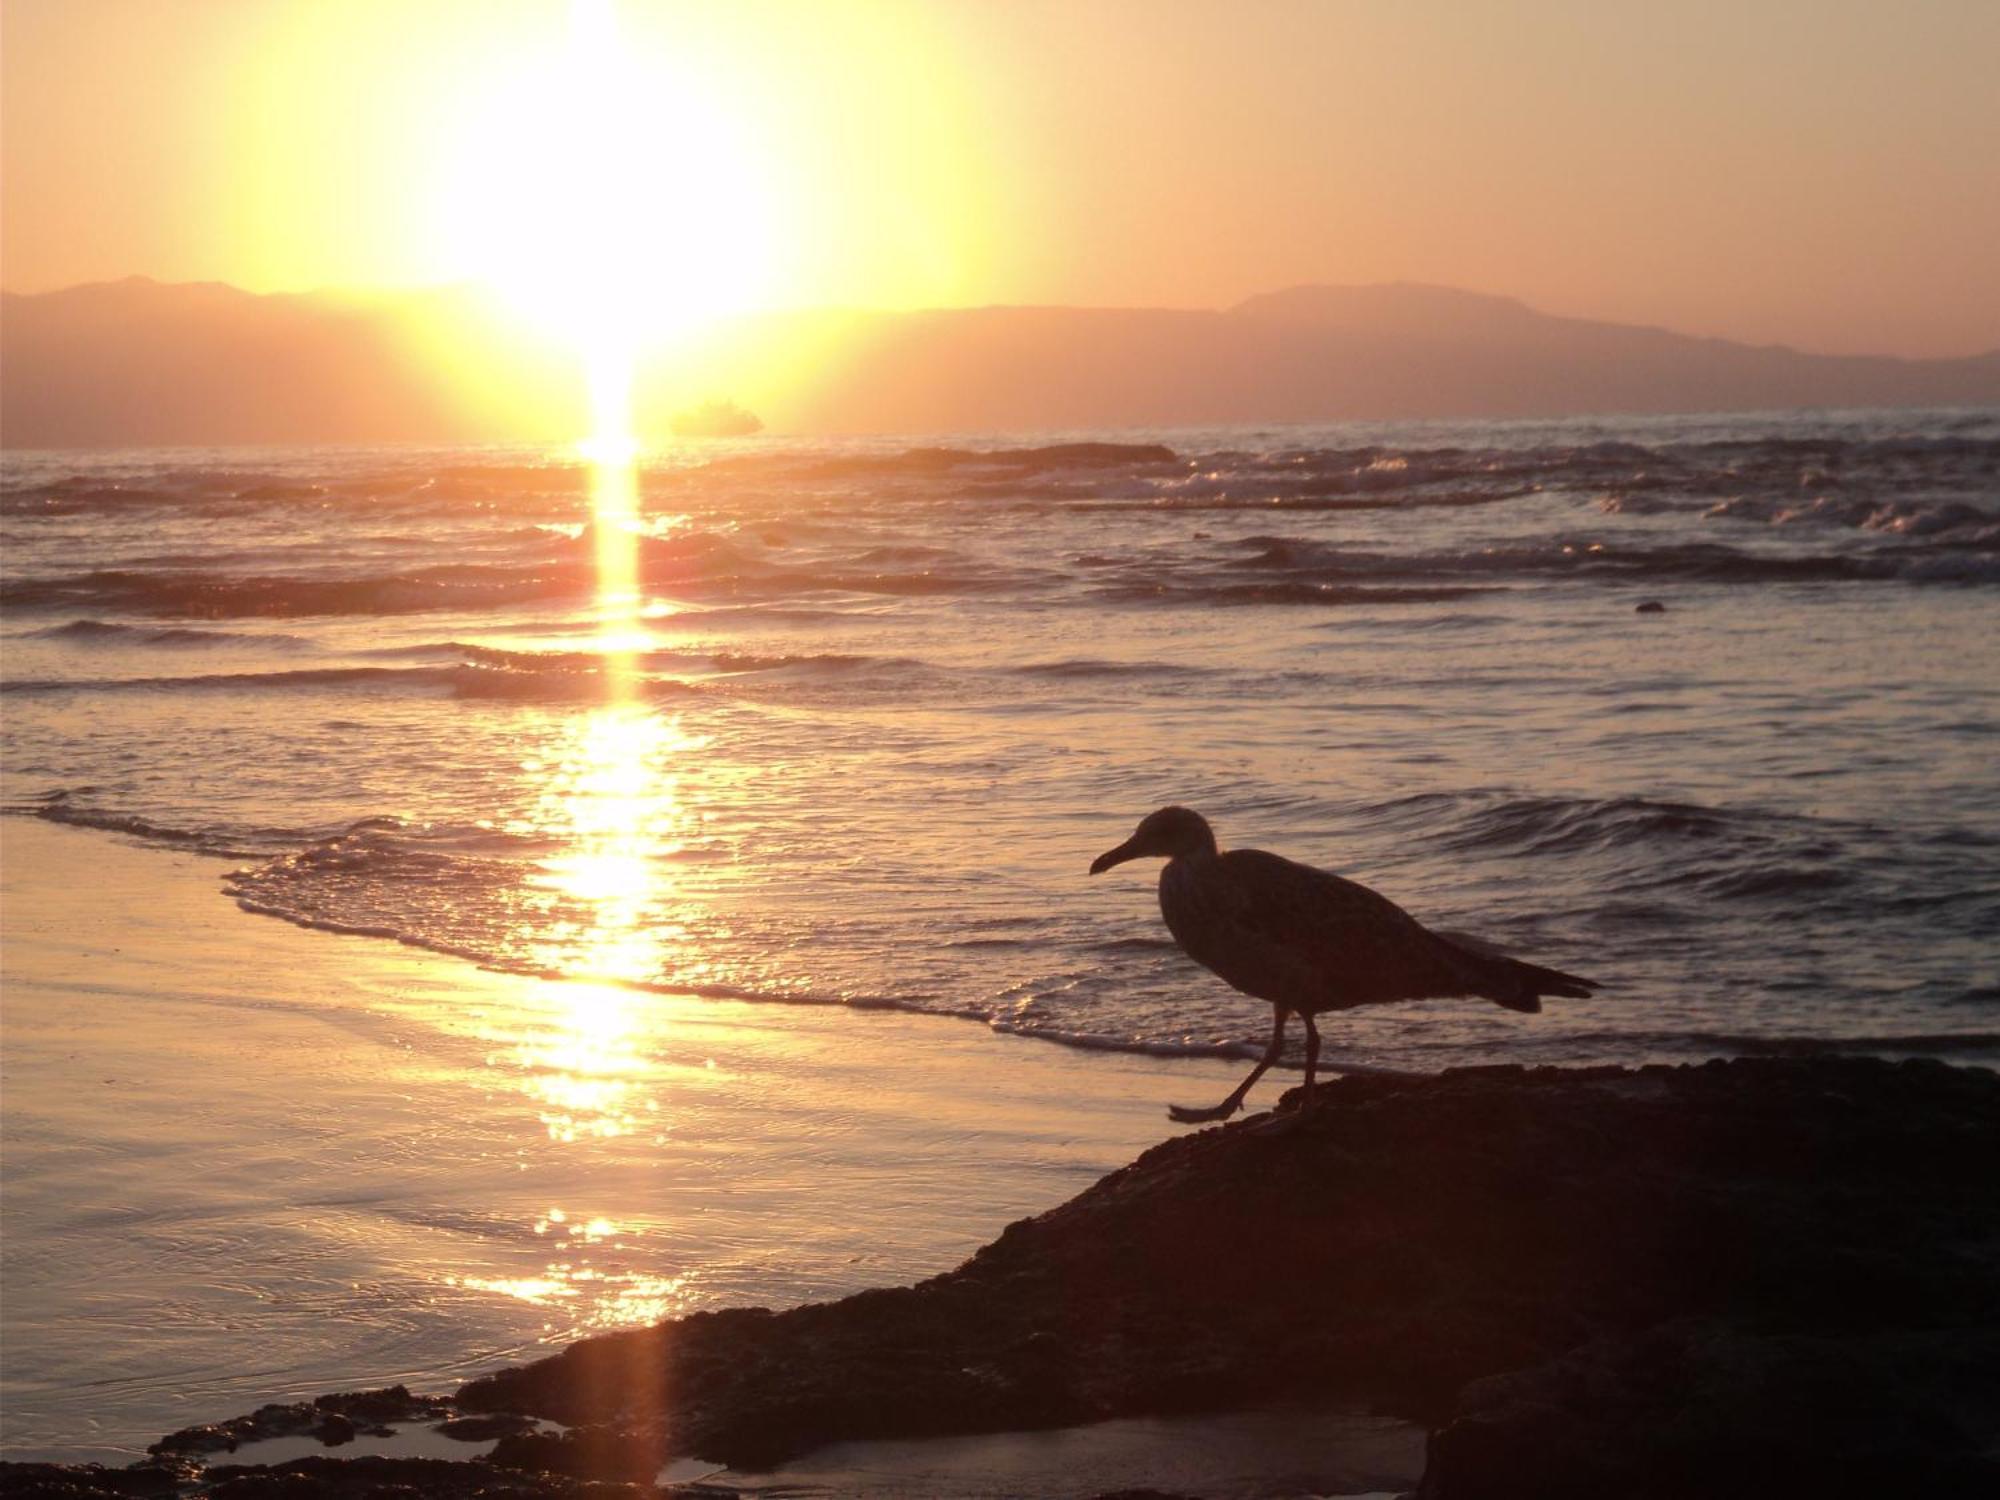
[{"x": 1308, "y": 941}]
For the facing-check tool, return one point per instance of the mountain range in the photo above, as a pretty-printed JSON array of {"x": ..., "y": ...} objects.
[{"x": 143, "y": 363}]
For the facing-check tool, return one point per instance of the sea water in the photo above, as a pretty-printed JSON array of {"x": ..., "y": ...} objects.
[
  {"x": 885, "y": 700},
  {"x": 894, "y": 698}
]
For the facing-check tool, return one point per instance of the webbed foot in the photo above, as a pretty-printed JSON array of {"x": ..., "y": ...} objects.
[{"x": 1180, "y": 1114}]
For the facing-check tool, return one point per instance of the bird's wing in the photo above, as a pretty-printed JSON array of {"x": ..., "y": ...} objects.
[{"x": 1311, "y": 939}]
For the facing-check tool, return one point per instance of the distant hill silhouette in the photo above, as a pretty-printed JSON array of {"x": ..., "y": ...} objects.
[{"x": 139, "y": 362}]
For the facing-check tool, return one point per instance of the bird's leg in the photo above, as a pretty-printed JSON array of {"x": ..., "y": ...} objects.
[
  {"x": 1286, "y": 1124},
  {"x": 1229, "y": 1106},
  {"x": 1312, "y": 1060}
]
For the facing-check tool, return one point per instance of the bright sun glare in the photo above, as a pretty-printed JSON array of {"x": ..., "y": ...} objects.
[{"x": 613, "y": 199}]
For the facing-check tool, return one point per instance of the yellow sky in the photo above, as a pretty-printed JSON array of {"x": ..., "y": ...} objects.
[{"x": 1815, "y": 172}]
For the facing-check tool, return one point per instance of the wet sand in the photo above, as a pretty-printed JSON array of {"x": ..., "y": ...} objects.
[{"x": 246, "y": 1162}]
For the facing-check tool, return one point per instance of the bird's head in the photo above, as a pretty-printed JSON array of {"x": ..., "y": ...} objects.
[{"x": 1167, "y": 834}]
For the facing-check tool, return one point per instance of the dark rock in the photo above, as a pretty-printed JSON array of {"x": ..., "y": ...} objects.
[
  {"x": 213, "y": 1437},
  {"x": 392, "y": 1403},
  {"x": 585, "y": 1453},
  {"x": 278, "y": 1420},
  {"x": 393, "y": 1478},
  {"x": 1701, "y": 1408},
  {"x": 270, "y": 1485},
  {"x": 180, "y": 1468},
  {"x": 81, "y": 1482},
  {"x": 369, "y": 1478},
  {"x": 335, "y": 1429},
  {"x": 1410, "y": 1236},
  {"x": 333, "y": 1419},
  {"x": 1650, "y": 607}
]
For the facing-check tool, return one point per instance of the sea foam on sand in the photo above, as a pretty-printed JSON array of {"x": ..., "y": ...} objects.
[{"x": 249, "y": 1163}]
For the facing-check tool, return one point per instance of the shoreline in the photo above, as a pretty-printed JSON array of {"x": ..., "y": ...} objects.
[
  {"x": 316, "y": 1162},
  {"x": 1245, "y": 1050},
  {"x": 1971, "y": 1048},
  {"x": 1742, "y": 1278},
  {"x": 220, "y": 1130}
]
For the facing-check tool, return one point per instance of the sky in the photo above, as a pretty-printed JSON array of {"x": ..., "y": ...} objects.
[{"x": 1813, "y": 172}]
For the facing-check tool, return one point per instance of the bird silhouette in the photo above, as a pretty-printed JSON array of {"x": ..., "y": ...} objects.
[{"x": 1308, "y": 941}]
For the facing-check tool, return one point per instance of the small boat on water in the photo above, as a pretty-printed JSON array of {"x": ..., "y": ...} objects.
[{"x": 715, "y": 419}]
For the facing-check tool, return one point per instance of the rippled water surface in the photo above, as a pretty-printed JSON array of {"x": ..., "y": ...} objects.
[{"x": 884, "y": 703}]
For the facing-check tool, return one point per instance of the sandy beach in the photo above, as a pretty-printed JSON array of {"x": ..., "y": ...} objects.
[
  {"x": 998, "y": 752},
  {"x": 246, "y": 1162}
]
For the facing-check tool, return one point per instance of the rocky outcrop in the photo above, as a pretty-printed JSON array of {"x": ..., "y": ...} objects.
[
  {"x": 1406, "y": 1238},
  {"x": 1748, "y": 1277},
  {"x": 1702, "y": 1408},
  {"x": 332, "y": 1420},
  {"x": 370, "y": 1478}
]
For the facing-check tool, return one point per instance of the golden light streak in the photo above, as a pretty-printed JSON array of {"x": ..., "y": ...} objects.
[
  {"x": 621, "y": 631},
  {"x": 609, "y": 795},
  {"x": 605, "y": 285},
  {"x": 613, "y": 800}
]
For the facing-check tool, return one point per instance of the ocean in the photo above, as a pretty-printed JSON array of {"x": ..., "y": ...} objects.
[
  {"x": 1703, "y": 708},
  {"x": 895, "y": 697}
]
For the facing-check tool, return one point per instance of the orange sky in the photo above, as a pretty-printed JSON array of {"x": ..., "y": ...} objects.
[{"x": 1815, "y": 172}]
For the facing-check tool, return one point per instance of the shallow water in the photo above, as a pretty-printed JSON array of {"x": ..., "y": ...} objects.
[
  {"x": 247, "y": 1163},
  {"x": 892, "y": 699}
]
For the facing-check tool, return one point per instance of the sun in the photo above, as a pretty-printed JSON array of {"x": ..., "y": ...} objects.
[{"x": 609, "y": 194}]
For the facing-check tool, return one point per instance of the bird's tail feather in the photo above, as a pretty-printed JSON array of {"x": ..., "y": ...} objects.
[
  {"x": 1516, "y": 985},
  {"x": 1521, "y": 986}
]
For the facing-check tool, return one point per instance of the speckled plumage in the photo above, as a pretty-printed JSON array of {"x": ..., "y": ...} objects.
[
  {"x": 1305, "y": 939},
  {"x": 1308, "y": 941}
]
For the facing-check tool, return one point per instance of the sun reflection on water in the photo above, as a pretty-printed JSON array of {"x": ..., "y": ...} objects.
[
  {"x": 590, "y": 1296},
  {"x": 606, "y": 920},
  {"x": 611, "y": 803},
  {"x": 611, "y": 799}
]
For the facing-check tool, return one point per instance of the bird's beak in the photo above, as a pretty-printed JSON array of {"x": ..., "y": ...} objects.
[{"x": 1116, "y": 856}]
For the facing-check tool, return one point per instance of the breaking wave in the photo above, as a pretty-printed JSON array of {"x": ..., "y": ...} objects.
[
  {"x": 903, "y": 660},
  {"x": 306, "y": 677},
  {"x": 114, "y": 633}
]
